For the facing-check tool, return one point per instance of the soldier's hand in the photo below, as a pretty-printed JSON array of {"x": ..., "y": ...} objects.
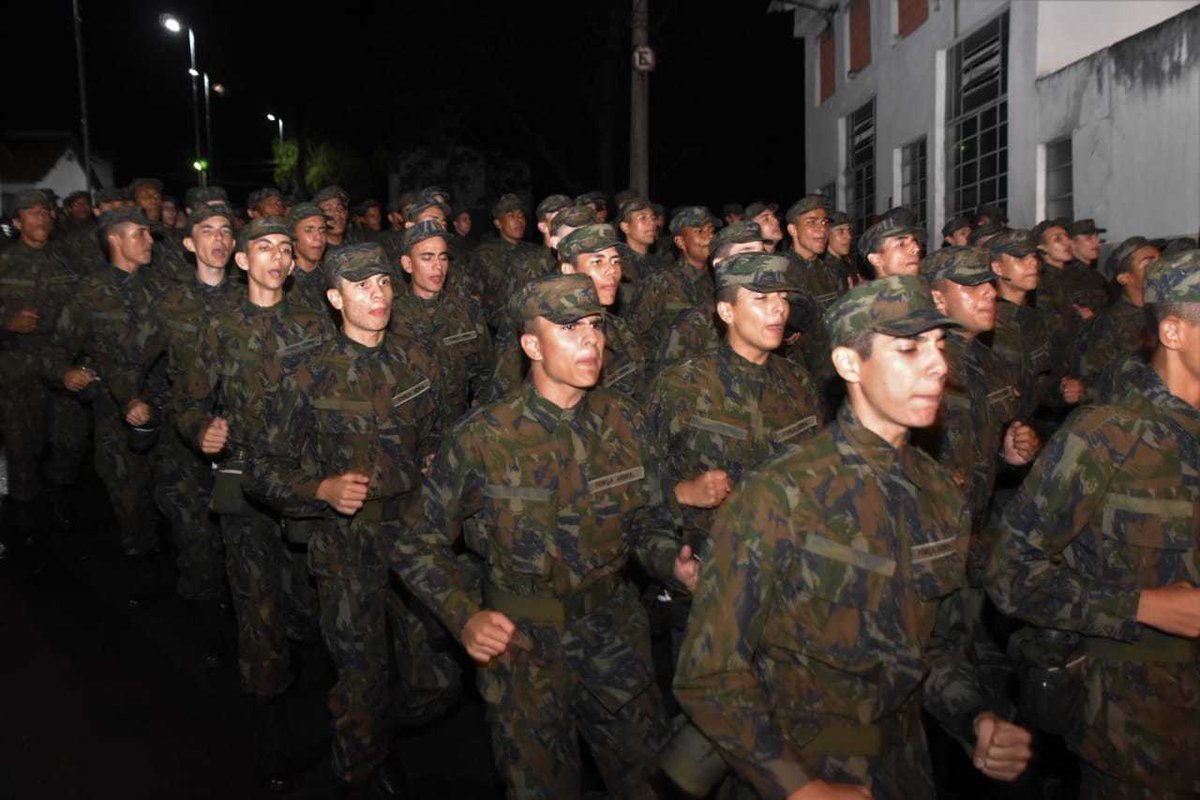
[
  {"x": 138, "y": 412},
  {"x": 687, "y": 568},
  {"x": 1083, "y": 311},
  {"x": 76, "y": 379},
  {"x": 820, "y": 790},
  {"x": 1002, "y": 749},
  {"x": 214, "y": 437},
  {"x": 707, "y": 490},
  {"x": 1021, "y": 444},
  {"x": 346, "y": 493},
  {"x": 487, "y": 635},
  {"x": 425, "y": 464},
  {"x": 1072, "y": 389},
  {"x": 24, "y": 321},
  {"x": 1174, "y": 608}
]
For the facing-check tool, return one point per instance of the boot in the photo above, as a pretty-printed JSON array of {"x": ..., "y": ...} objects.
[{"x": 271, "y": 726}]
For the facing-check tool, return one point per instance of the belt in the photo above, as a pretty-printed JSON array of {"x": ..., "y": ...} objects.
[
  {"x": 380, "y": 510},
  {"x": 864, "y": 740},
  {"x": 555, "y": 611},
  {"x": 1152, "y": 647}
]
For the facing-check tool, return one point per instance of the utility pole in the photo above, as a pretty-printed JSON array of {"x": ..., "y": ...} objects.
[
  {"x": 639, "y": 101},
  {"x": 83, "y": 109}
]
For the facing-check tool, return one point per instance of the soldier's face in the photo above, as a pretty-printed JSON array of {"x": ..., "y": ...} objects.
[
  {"x": 639, "y": 227},
  {"x": 1019, "y": 273},
  {"x": 366, "y": 305},
  {"x": 810, "y": 231},
  {"x": 428, "y": 263},
  {"x": 601, "y": 212},
  {"x": 1086, "y": 247},
  {"x": 310, "y": 238},
  {"x": 80, "y": 209},
  {"x": 270, "y": 206},
  {"x": 511, "y": 224},
  {"x": 131, "y": 243},
  {"x": 840, "y": 239},
  {"x": 900, "y": 385},
  {"x": 150, "y": 200},
  {"x": 267, "y": 261},
  {"x": 570, "y": 354},
  {"x": 35, "y": 224},
  {"x": 959, "y": 236},
  {"x": 211, "y": 241},
  {"x": 170, "y": 214},
  {"x": 973, "y": 307},
  {"x": 898, "y": 255},
  {"x": 755, "y": 320},
  {"x": 1134, "y": 277},
  {"x": 373, "y": 219},
  {"x": 769, "y": 224},
  {"x": 694, "y": 242},
  {"x": 462, "y": 224},
  {"x": 335, "y": 213},
  {"x": 604, "y": 268}
]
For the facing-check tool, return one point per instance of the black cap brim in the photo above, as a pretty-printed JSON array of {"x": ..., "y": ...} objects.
[{"x": 915, "y": 323}]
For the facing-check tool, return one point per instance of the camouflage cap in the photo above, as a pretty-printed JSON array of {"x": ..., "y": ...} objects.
[
  {"x": 332, "y": 192},
  {"x": 420, "y": 231},
  {"x": 692, "y": 217},
  {"x": 993, "y": 213},
  {"x": 1040, "y": 229},
  {"x": 119, "y": 216},
  {"x": 984, "y": 231},
  {"x": 1178, "y": 245},
  {"x": 623, "y": 196},
  {"x": 1174, "y": 278},
  {"x": 113, "y": 194},
  {"x": 199, "y": 195},
  {"x": 80, "y": 194},
  {"x": 204, "y": 212},
  {"x": 573, "y": 217},
  {"x": 259, "y": 195},
  {"x": 153, "y": 183},
  {"x": 437, "y": 191},
  {"x": 758, "y": 207},
  {"x": 1084, "y": 227},
  {"x": 810, "y": 202},
  {"x": 365, "y": 206},
  {"x": 632, "y": 205},
  {"x": 738, "y": 232},
  {"x": 506, "y": 204},
  {"x": 260, "y": 227},
  {"x": 732, "y": 209},
  {"x": 956, "y": 223},
  {"x": 425, "y": 202},
  {"x": 588, "y": 239},
  {"x": 30, "y": 198},
  {"x": 759, "y": 272},
  {"x": 1118, "y": 259},
  {"x": 898, "y": 305},
  {"x": 969, "y": 266},
  {"x": 596, "y": 198},
  {"x": 838, "y": 218},
  {"x": 559, "y": 298},
  {"x": 403, "y": 202},
  {"x": 552, "y": 205},
  {"x": 303, "y": 211},
  {"x": 356, "y": 262},
  {"x": 904, "y": 215},
  {"x": 1016, "y": 243},
  {"x": 872, "y": 238}
]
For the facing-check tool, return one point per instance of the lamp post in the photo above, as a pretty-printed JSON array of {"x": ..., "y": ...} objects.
[
  {"x": 173, "y": 25},
  {"x": 273, "y": 118}
]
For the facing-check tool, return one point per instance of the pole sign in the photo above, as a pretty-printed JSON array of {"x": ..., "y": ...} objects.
[{"x": 643, "y": 58}]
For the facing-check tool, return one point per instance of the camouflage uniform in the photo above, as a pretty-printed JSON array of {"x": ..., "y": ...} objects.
[
  {"x": 693, "y": 333},
  {"x": 347, "y": 407},
  {"x": 1113, "y": 506},
  {"x": 672, "y": 289},
  {"x": 492, "y": 263},
  {"x": 1117, "y": 332},
  {"x": 236, "y": 369},
  {"x": 1021, "y": 344},
  {"x": 819, "y": 625},
  {"x": 564, "y": 495}
]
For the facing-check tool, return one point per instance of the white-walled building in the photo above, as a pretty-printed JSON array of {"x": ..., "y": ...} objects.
[
  {"x": 1078, "y": 108},
  {"x": 46, "y": 161}
]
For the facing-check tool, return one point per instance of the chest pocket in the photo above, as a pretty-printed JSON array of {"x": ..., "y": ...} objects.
[
  {"x": 612, "y": 497},
  {"x": 521, "y": 521},
  {"x": 939, "y": 567},
  {"x": 1152, "y": 539}
]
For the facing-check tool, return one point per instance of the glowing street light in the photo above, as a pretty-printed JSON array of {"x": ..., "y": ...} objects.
[
  {"x": 273, "y": 118},
  {"x": 172, "y": 24}
]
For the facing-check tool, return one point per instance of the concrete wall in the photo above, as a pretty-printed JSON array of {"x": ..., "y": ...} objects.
[{"x": 1069, "y": 30}]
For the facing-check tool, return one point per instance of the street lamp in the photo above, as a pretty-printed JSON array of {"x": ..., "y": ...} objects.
[
  {"x": 172, "y": 24},
  {"x": 273, "y": 118}
]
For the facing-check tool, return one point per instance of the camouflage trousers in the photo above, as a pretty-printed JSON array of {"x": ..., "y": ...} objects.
[
  {"x": 70, "y": 425},
  {"x": 23, "y": 425},
  {"x": 182, "y": 488},
  {"x": 128, "y": 477},
  {"x": 592, "y": 679},
  {"x": 268, "y": 599},
  {"x": 1097, "y": 785}
]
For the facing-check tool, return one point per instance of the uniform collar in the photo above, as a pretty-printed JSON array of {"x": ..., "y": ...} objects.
[
  {"x": 546, "y": 413},
  {"x": 878, "y": 454}
]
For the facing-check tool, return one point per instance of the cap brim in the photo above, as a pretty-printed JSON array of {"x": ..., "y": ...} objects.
[
  {"x": 916, "y": 322},
  {"x": 973, "y": 280},
  {"x": 565, "y": 319},
  {"x": 362, "y": 273}
]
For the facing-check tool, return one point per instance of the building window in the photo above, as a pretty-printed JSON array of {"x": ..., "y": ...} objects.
[
  {"x": 913, "y": 178},
  {"x": 910, "y": 14},
  {"x": 860, "y": 165},
  {"x": 827, "y": 66},
  {"x": 860, "y": 35},
  {"x": 977, "y": 120},
  {"x": 1060, "y": 198}
]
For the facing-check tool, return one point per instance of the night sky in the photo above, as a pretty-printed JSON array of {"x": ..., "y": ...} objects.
[{"x": 546, "y": 83}]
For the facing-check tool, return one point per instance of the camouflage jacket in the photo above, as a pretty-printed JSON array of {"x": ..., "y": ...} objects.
[
  {"x": 527, "y": 264},
  {"x": 820, "y": 277},
  {"x": 184, "y": 310},
  {"x": 238, "y": 366},
  {"x": 109, "y": 325},
  {"x": 563, "y": 496},
  {"x": 344, "y": 407},
  {"x": 1022, "y": 345},
  {"x": 692, "y": 333},
  {"x": 667, "y": 292},
  {"x": 720, "y": 411},
  {"x": 459, "y": 338},
  {"x": 1112, "y": 507},
  {"x": 817, "y": 608},
  {"x": 491, "y": 266},
  {"x": 37, "y": 279},
  {"x": 306, "y": 290},
  {"x": 1118, "y": 331},
  {"x": 1059, "y": 291}
]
